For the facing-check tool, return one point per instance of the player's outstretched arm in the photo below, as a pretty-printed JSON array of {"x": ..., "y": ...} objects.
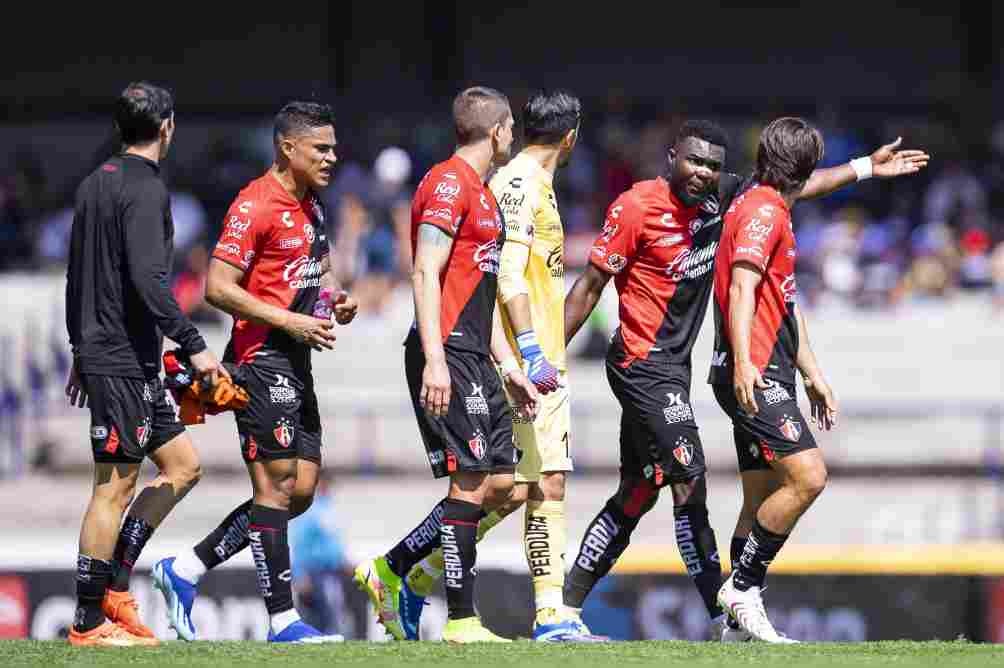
[
  {"x": 742, "y": 304},
  {"x": 821, "y": 397},
  {"x": 582, "y": 299},
  {"x": 885, "y": 163},
  {"x": 432, "y": 252},
  {"x": 223, "y": 290}
]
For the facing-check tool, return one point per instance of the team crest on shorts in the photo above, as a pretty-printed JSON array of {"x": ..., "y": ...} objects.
[
  {"x": 478, "y": 445},
  {"x": 283, "y": 432},
  {"x": 143, "y": 432},
  {"x": 790, "y": 428},
  {"x": 684, "y": 451}
]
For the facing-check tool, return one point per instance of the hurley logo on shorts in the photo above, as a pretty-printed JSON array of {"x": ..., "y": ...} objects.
[
  {"x": 775, "y": 394},
  {"x": 281, "y": 392},
  {"x": 678, "y": 410},
  {"x": 475, "y": 401}
]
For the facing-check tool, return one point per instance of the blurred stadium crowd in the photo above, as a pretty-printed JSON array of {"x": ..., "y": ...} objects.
[{"x": 876, "y": 246}]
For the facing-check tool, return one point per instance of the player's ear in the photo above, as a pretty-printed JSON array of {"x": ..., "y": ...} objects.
[{"x": 671, "y": 156}]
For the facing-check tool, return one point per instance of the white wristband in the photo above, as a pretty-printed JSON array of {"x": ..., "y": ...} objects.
[
  {"x": 862, "y": 167},
  {"x": 509, "y": 365}
]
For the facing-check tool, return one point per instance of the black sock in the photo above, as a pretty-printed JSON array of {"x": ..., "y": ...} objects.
[
  {"x": 696, "y": 541},
  {"x": 735, "y": 554},
  {"x": 760, "y": 549},
  {"x": 132, "y": 537},
  {"x": 458, "y": 535},
  {"x": 93, "y": 576},
  {"x": 606, "y": 539},
  {"x": 270, "y": 549},
  {"x": 418, "y": 544},
  {"x": 226, "y": 540}
]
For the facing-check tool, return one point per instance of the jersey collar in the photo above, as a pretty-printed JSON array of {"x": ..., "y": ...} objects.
[
  {"x": 535, "y": 167},
  {"x": 772, "y": 193}
]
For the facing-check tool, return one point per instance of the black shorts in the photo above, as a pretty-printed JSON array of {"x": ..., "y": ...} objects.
[
  {"x": 130, "y": 418},
  {"x": 281, "y": 420},
  {"x": 659, "y": 438},
  {"x": 476, "y": 432},
  {"x": 777, "y": 430}
]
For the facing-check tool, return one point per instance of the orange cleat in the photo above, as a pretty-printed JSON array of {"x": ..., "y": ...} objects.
[
  {"x": 120, "y": 607},
  {"x": 108, "y": 634}
]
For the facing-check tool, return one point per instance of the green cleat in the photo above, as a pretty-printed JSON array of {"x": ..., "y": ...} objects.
[
  {"x": 383, "y": 587},
  {"x": 468, "y": 630}
]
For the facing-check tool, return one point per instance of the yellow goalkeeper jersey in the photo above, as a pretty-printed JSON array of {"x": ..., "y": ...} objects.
[{"x": 525, "y": 194}]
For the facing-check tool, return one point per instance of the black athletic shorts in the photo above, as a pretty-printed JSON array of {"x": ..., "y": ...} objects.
[
  {"x": 476, "y": 432},
  {"x": 130, "y": 418},
  {"x": 777, "y": 430},
  {"x": 281, "y": 420},
  {"x": 659, "y": 438}
]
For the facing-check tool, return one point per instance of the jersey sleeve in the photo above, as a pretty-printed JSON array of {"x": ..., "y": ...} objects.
[
  {"x": 245, "y": 230},
  {"x": 618, "y": 242},
  {"x": 758, "y": 231},
  {"x": 517, "y": 199},
  {"x": 443, "y": 202}
]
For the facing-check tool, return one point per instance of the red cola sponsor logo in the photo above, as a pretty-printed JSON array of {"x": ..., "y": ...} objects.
[
  {"x": 303, "y": 272},
  {"x": 486, "y": 256},
  {"x": 789, "y": 289}
]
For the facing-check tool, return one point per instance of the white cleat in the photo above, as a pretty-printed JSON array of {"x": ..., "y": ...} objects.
[
  {"x": 746, "y": 608},
  {"x": 723, "y": 629}
]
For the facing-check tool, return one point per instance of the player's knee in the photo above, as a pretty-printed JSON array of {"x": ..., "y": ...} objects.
[
  {"x": 551, "y": 486},
  {"x": 187, "y": 476},
  {"x": 636, "y": 496},
  {"x": 499, "y": 491},
  {"x": 812, "y": 483}
]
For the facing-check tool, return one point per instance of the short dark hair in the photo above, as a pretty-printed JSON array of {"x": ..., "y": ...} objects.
[
  {"x": 709, "y": 131},
  {"x": 476, "y": 110},
  {"x": 297, "y": 117},
  {"x": 140, "y": 110},
  {"x": 548, "y": 116},
  {"x": 789, "y": 150}
]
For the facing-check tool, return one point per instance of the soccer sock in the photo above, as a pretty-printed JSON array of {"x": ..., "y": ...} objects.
[
  {"x": 488, "y": 522},
  {"x": 423, "y": 576},
  {"x": 93, "y": 576},
  {"x": 696, "y": 541},
  {"x": 458, "y": 536},
  {"x": 606, "y": 539},
  {"x": 270, "y": 549},
  {"x": 226, "y": 540},
  {"x": 544, "y": 536},
  {"x": 735, "y": 553},
  {"x": 188, "y": 565},
  {"x": 132, "y": 537},
  {"x": 417, "y": 545},
  {"x": 760, "y": 549}
]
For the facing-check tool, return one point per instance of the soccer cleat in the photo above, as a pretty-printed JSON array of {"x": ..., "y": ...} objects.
[
  {"x": 120, "y": 607},
  {"x": 303, "y": 633},
  {"x": 420, "y": 582},
  {"x": 109, "y": 634},
  {"x": 179, "y": 594},
  {"x": 746, "y": 608},
  {"x": 725, "y": 629},
  {"x": 410, "y": 605},
  {"x": 383, "y": 587},
  {"x": 468, "y": 630},
  {"x": 552, "y": 627}
]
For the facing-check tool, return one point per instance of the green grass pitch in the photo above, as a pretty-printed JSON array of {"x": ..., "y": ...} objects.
[{"x": 520, "y": 653}]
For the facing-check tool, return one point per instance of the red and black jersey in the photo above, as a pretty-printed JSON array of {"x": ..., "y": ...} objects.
[
  {"x": 757, "y": 229},
  {"x": 281, "y": 246},
  {"x": 661, "y": 253},
  {"x": 452, "y": 197}
]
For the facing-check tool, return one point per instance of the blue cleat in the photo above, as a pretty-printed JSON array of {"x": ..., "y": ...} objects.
[
  {"x": 301, "y": 632},
  {"x": 179, "y": 594},
  {"x": 567, "y": 629},
  {"x": 411, "y": 605}
]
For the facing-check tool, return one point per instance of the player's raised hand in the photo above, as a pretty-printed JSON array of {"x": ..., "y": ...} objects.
[
  {"x": 523, "y": 393},
  {"x": 345, "y": 309},
  {"x": 888, "y": 161},
  {"x": 315, "y": 332},
  {"x": 822, "y": 401},
  {"x": 746, "y": 378},
  {"x": 75, "y": 388},
  {"x": 435, "y": 395}
]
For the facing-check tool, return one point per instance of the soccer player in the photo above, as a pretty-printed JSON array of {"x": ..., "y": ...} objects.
[
  {"x": 456, "y": 391},
  {"x": 760, "y": 339},
  {"x": 532, "y": 295},
  {"x": 270, "y": 271},
  {"x": 119, "y": 306},
  {"x": 659, "y": 241}
]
